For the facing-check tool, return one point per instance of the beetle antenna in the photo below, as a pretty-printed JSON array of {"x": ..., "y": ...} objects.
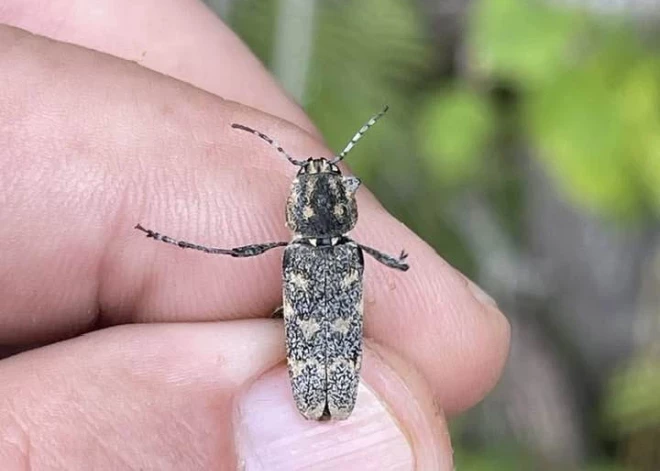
[
  {"x": 269, "y": 141},
  {"x": 359, "y": 135}
]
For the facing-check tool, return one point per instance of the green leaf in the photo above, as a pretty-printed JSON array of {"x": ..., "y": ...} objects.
[
  {"x": 524, "y": 42},
  {"x": 649, "y": 167},
  {"x": 578, "y": 128},
  {"x": 634, "y": 402},
  {"x": 638, "y": 98},
  {"x": 455, "y": 126}
]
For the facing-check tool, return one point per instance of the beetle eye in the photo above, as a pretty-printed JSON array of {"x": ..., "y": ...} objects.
[{"x": 351, "y": 184}]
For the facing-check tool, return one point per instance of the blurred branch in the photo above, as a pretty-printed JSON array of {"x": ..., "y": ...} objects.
[
  {"x": 633, "y": 405},
  {"x": 647, "y": 325},
  {"x": 505, "y": 270},
  {"x": 535, "y": 401},
  {"x": 294, "y": 40}
]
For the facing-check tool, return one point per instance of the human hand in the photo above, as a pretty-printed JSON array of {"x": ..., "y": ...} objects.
[{"x": 90, "y": 144}]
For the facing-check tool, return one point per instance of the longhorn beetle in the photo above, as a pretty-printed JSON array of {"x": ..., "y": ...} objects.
[{"x": 322, "y": 278}]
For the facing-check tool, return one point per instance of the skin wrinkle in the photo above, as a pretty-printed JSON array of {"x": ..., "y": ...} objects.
[
  {"x": 116, "y": 390},
  {"x": 19, "y": 449},
  {"x": 26, "y": 453},
  {"x": 432, "y": 448},
  {"x": 112, "y": 241},
  {"x": 241, "y": 213}
]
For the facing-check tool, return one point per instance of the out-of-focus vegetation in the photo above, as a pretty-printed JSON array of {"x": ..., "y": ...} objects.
[
  {"x": 589, "y": 93},
  {"x": 523, "y": 143}
]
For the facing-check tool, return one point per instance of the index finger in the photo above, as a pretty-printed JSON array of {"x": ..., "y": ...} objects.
[{"x": 93, "y": 144}]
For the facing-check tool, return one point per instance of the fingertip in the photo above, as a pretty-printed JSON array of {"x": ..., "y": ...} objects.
[
  {"x": 412, "y": 401},
  {"x": 270, "y": 434},
  {"x": 156, "y": 396},
  {"x": 490, "y": 352},
  {"x": 461, "y": 339},
  {"x": 395, "y": 425}
]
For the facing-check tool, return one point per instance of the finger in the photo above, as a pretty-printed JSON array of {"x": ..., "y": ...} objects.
[
  {"x": 84, "y": 161},
  {"x": 181, "y": 397},
  {"x": 156, "y": 397},
  {"x": 179, "y": 38},
  {"x": 395, "y": 425}
]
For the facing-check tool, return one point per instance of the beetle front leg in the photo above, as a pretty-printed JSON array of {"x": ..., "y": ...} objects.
[
  {"x": 388, "y": 260},
  {"x": 255, "y": 249},
  {"x": 245, "y": 251}
]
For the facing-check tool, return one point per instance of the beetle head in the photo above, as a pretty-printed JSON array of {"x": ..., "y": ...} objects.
[{"x": 322, "y": 201}]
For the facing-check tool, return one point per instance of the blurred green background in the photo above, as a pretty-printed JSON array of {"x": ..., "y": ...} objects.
[{"x": 523, "y": 143}]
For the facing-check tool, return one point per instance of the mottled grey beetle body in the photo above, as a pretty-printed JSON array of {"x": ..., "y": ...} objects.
[
  {"x": 322, "y": 282},
  {"x": 323, "y": 324},
  {"x": 322, "y": 292}
]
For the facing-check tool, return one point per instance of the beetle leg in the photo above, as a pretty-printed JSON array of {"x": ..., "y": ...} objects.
[
  {"x": 278, "y": 313},
  {"x": 388, "y": 260},
  {"x": 245, "y": 251}
]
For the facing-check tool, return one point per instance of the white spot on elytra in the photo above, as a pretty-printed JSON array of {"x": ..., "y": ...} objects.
[
  {"x": 341, "y": 325},
  {"x": 341, "y": 364},
  {"x": 296, "y": 367},
  {"x": 309, "y": 328},
  {"x": 298, "y": 280},
  {"x": 349, "y": 279},
  {"x": 287, "y": 310}
]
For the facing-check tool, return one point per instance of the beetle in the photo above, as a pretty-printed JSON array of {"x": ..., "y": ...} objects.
[{"x": 322, "y": 281}]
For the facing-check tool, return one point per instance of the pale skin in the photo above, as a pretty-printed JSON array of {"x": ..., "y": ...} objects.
[{"x": 91, "y": 143}]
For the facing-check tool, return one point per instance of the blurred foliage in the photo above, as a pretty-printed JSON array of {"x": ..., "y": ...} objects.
[
  {"x": 367, "y": 54},
  {"x": 587, "y": 92},
  {"x": 634, "y": 403},
  {"x": 580, "y": 91},
  {"x": 455, "y": 128},
  {"x": 515, "y": 459},
  {"x": 512, "y": 459}
]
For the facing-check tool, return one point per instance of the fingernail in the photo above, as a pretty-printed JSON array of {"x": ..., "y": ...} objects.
[
  {"x": 480, "y": 294},
  {"x": 271, "y": 434}
]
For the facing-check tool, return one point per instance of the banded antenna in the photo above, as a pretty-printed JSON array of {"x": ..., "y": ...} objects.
[
  {"x": 270, "y": 141},
  {"x": 359, "y": 135}
]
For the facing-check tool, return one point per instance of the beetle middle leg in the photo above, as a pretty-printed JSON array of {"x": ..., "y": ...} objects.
[{"x": 388, "y": 260}]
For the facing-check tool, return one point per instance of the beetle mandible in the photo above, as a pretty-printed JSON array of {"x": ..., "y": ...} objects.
[{"x": 322, "y": 281}]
